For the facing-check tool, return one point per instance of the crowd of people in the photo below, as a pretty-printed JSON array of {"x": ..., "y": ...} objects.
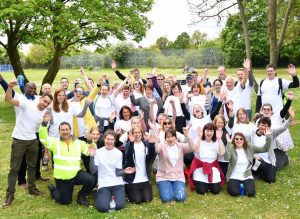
[{"x": 203, "y": 131}]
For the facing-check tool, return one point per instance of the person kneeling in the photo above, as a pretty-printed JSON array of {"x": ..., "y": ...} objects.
[
  {"x": 67, "y": 172},
  {"x": 107, "y": 161}
]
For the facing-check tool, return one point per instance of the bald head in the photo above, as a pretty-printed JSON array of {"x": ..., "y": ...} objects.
[{"x": 46, "y": 88}]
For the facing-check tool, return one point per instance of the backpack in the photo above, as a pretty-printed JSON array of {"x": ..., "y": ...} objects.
[{"x": 280, "y": 89}]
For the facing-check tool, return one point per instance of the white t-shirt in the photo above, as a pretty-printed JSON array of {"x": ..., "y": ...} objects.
[
  {"x": 269, "y": 93},
  {"x": 103, "y": 107},
  {"x": 28, "y": 120},
  {"x": 108, "y": 161},
  {"x": 82, "y": 128},
  {"x": 235, "y": 96},
  {"x": 168, "y": 106},
  {"x": 180, "y": 137},
  {"x": 119, "y": 102},
  {"x": 123, "y": 125},
  {"x": 198, "y": 123},
  {"x": 173, "y": 154},
  {"x": 241, "y": 166},
  {"x": 58, "y": 118},
  {"x": 260, "y": 141},
  {"x": 246, "y": 129},
  {"x": 200, "y": 99},
  {"x": 140, "y": 163},
  {"x": 208, "y": 153},
  {"x": 22, "y": 97},
  {"x": 245, "y": 95}
]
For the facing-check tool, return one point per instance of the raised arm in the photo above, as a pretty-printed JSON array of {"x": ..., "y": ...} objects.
[
  {"x": 9, "y": 94},
  {"x": 267, "y": 145},
  {"x": 86, "y": 79},
  {"x": 118, "y": 73},
  {"x": 293, "y": 73},
  {"x": 189, "y": 146},
  {"x": 290, "y": 96},
  {"x": 121, "y": 85}
]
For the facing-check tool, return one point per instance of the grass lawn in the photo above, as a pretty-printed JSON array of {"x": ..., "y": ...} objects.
[{"x": 278, "y": 200}]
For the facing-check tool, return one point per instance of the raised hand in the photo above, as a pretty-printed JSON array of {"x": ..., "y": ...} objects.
[
  {"x": 292, "y": 113},
  {"x": 223, "y": 96},
  {"x": 229, "y": 105},
  {"x": 268, "y": 131},
  {"x": 219, "y": 134},
  {"x": 46, "y": 117},
  {"x": 113, "y": 65},
  {"x": 129, "y": 170},
  {"x": 113, "y": 115},
  {"x": 92, "y": 149},
  {"x": 247, "y": 64},
  {"x": 290, "y": 95},
  {"x": 130, "y": 136},
  {"x": 205, "y": 72},
  {"x": 292, "y": 70},
  {"x": 152, "y": 138},
  {"x": 13, "y": 83},
  {"x": 199, "y": 132},
  {"x": 228, "y": 138},
  {"x": 186, "y": 130},
  {"x": 82, "y": 71}
]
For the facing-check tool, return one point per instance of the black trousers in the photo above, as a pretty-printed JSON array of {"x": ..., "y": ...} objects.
[
  {"x": 85, "y": 159},
  {"x": 233, "y": 187},
  {"x": 266, "y": 171},
  {"x": 224, "y": 167},
  {"x": 23, "y": 167},
  {"x": 202, "y": 187},
  {"x": 282, "y": 159},
  {"x": 180, "y": 123},
  {"x": 64, "y": 188},
  {"x": 139, "y": 192}
]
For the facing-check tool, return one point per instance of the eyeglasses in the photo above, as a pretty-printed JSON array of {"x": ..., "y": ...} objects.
[
  {"x": 160, "y": 79},
  {"x": 238, "y": 139},
  {"x": 136, "y": 84},
  {"x": 266, "y": 109},
  {"x": 137, "y": 132},
  {"x": 79, "y": 92},
  {"x": 167, "y": 123},
  {"x": 149, "y": 78}
]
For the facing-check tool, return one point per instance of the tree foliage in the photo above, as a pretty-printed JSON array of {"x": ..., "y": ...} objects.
[
  {"x": 198, "y": 39},
  {"x": 182, "y": 41},
  {"x": 162, "y": 43},
  {"x": 39, "y": 54}
]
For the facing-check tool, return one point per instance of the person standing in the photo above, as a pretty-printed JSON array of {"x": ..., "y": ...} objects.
[{"x": 25, "y": 140}]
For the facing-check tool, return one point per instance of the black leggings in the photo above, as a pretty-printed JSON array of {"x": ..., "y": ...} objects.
[
  {"x": 266, "y": 171},
  {"x": 85, "y": 159},
  {"x": 202, "y": 187},
  {"x": 139, "y": 192},
  {"x": 233, "y": 187},
  {"x": 180, "y": 123},
  {"x": 282, "y": 159}
]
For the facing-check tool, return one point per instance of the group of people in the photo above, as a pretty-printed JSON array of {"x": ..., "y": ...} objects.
[{"x": 203, "y": 131}]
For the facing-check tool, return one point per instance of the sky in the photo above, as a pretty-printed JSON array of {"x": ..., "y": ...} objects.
[{"x": 172, "y": 17}]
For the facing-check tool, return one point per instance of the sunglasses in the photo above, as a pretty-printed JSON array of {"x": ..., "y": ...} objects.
[
  {"x": 238, "y": 139},
  {"x": 149, "y": 78},
  {"x": 167, "y": 123},
  {"x": 160, "y": 79},
  {"x": 78, "y": 91}
]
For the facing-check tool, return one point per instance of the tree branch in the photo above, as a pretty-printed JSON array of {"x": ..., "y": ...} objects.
[{"x": 2, "y": 44}]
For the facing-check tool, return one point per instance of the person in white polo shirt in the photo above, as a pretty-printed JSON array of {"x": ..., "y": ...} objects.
[{"x": 25, "y": 141}]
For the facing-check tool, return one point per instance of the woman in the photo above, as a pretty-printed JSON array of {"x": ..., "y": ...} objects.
[
  {"x": 139, "y": 154},
  {"x": 107, "y": 161},
  {"x": 205, "y": 172},
  {"x": 103, "y": 107},
  {"x": 242, "y": 124},
  {"x": 124, "y": 123},
  {"x": 137, "y": 92},
  {"x": 240, "y": 155},
  {"x": 148, "y": 104},
  {"x": 165, "y": 126},
  {"x": 217, "y": 85},
  {"x": 198, "y": 97},
  {"x": 166, "y": 90},
  {"x": 170, "y": 177},
  {"x": 173, "y": 108},
  {"x": 219, "y": 123},
  {"x": 135, "y": 121}
]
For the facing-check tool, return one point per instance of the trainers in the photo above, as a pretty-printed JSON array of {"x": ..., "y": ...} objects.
[
  {"x": 35, "y": 191},
  {"x": 51, "y": 187},
  {"x": 8, "y": 200},
  {"x": 23, "y": 186},
  {"x": 82, "y": 200}
]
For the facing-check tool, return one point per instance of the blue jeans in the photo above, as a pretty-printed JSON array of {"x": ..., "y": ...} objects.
[
  {"x": 249, "y": 113},
  {"x": 103, "y": 197},
  {"x": 171, "y": 190}
]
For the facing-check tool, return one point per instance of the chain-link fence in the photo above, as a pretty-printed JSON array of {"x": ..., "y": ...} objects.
[{"x": 197, "y": 58}]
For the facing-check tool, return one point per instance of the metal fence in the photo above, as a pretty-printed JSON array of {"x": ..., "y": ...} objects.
[
  {"x": 6, "y": 67},
  {"x": 197, "y": 58}
]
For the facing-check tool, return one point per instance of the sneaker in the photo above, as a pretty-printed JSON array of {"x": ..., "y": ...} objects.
[
  {"x": 23, "y": 186},
  {"x": 51, "y": 187},
  {"x": 82, "y": 200},
  {"x": 35, "y": 191},
  {"x": 8, "y": 200}
]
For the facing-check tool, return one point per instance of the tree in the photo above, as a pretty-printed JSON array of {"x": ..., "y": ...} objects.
[
  {"x": 119, "y": 52},
  {"x": 162, "y": 43},
  {"x": 19, "y": 23},
  {"x": 182, "y": 41},
  {"x": 39, "y": 54},
  {"x": 198, "y": 39}
]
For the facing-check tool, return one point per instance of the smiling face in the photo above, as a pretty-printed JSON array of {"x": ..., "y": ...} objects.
[
  {"x": 197, "y": 111},
  {"x": 208, "y": 133},
  {"x": 104, "y": 90},
  {"x": 30, "y": 89},
  {"x": 242, "y": 116},
  {"x": 167, "y": 87},
  {"x": 126, "y": 114},
  {"x": 135, "y": 122},
  {"x": 171, "y": 139},
  {"x": 220, "y": 123},
  {"x": 109, "y": 142},
  {"x": 271, "y": 73},
  {"x": 240, "y": 75},
  {"x": 238, "y": 140},
  {"x": 61, "y": 96},
  {"x": 137, "y": 134},
  {"x": 95, "y": 135},
  {"x": 44, "y": 102},
  {"x": 267, "y": 110},
  {"x": 65, "y": 132},
  {"x": 64, "y": 83},
  {"x": 78, "y": 95},
  {"x": 149, "y": 92}
]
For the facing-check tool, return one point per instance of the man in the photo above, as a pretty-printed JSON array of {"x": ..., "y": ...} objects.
[
  {"x": 64, "y": 83},
  {"x": 28, "y": 119},
  {"x": 46, "y": 88},
  {"x": 186, "y": 89},
  {"x": 272, "y": 88},
  {"x": 222, "y": 74},
  {"x": 67, "y": 171}
]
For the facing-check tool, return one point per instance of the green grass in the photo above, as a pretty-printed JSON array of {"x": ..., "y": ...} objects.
[{"x": 278, "y": 200}]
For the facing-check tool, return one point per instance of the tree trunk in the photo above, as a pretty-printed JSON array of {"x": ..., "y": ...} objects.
[
  {"x": 14, "y": 57},
  {"x": 273, "y": 32},
  {"x": 246, "y": 38},
  {"x": 54, "y": 65}
]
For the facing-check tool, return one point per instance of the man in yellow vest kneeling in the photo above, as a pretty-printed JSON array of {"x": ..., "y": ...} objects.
[{"x": 67, "y": 171}]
